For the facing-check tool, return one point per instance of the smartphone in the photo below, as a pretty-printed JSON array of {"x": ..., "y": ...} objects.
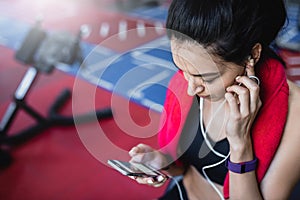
[{"x": 136, "y": 169}]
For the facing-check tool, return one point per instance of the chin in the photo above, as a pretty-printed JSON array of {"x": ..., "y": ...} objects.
[{"x": 213, "y": 98}]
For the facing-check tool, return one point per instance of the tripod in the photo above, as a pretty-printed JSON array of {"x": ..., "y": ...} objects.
[{"x": 33, "y": 45}]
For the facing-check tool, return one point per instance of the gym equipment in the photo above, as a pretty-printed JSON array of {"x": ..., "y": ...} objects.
[{"x": 42, "y": 52}]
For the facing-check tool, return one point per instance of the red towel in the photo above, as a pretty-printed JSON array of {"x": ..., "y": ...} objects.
[{"x": 267, "y": 128}]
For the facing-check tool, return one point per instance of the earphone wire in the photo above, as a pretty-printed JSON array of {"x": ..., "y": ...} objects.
[
  {"x": 225, "y": 157},
  {"x": 211, "y": 148},
  {"x": 204, "y": 131},
  {"x": 208, "y": 179},
  {"x": 178, "y": 187}
]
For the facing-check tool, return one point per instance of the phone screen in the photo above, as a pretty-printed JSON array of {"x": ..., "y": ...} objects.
[{"x": 134, "y": 169}]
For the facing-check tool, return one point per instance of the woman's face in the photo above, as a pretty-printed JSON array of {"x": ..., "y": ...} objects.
[{"x": 207, "y": 75}]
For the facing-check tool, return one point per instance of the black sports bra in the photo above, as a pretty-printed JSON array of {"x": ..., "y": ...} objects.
[{"x": 199, "y": 155}]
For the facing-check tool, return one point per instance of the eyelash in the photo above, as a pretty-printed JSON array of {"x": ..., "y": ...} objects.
[{"x": 207, "y": 81}]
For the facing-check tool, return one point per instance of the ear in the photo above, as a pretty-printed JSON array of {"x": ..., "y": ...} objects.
[{"x": 256, "y": 52}]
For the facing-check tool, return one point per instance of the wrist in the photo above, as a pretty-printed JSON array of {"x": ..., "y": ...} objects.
[
  {"x": 242, "y": 167},
  {"x": 168, "y": 162},
  {"x": 242, "y": 152}
]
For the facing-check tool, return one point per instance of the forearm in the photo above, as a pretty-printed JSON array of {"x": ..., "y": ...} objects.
[{"x": 243, "y": 186}]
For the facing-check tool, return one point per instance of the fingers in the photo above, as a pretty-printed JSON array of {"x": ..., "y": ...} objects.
[
  {"x": 134, "y": 151},
  {"x": 155, "y": 182},
  {"x": 238, "y": 100},
  {"x": 250, "y": 91},
  {"x": 138, "y": 158},
  {"x": 145, "y": 154},
  {"x": 140, "y": 149},
  {"x": 247, "y": 96},
  {"x": 233, "y": 104},
  {"x": 141, "y": 153},
  {"x": 244, "y": 102}
]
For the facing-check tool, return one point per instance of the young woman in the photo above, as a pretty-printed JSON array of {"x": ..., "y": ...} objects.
[{"x": 230, "y": 126}]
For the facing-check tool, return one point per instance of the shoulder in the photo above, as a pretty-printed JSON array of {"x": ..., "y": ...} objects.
[
  {"x": 285, "y": 167},
  {"x": 292, "y": 128},
  {"x": 294, "y": 96},
  {"x": 292, "y": 125}
]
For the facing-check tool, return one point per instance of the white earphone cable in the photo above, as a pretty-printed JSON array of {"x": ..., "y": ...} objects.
[
  {"x": 178, "y": 187},
  {"x": 204, "y": 132},
  {"x": 211, "y": 148},
  {"x": 208, "y": 179},
  {"x": 225, "y": 157}
]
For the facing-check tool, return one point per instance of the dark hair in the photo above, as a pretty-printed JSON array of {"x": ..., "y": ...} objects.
[{"x": 227, "y": 28}]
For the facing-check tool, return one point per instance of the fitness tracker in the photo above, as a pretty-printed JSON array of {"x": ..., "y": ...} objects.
[{"x": 242, "y": 167}]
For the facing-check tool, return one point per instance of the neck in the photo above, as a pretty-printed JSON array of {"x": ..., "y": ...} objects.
[{"x": 214, "y": 116}]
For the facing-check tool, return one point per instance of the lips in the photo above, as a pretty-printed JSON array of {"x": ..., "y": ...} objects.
[{"x": 203, "y": 96}]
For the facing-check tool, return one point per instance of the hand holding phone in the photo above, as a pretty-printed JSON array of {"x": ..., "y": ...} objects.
[
  {"x": 138, "y": 170},
  {"x": 134, "y": 169}
]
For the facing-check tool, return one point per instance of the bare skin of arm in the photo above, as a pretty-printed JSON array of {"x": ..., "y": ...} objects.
[
  {"x": 282, "y": 175},
  {"x": 284, "y": 171}
]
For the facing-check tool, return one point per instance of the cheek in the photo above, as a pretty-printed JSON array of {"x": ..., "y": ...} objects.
[
  {"x": 227, "y": 80},
  {"x": 218, "y": 89}
]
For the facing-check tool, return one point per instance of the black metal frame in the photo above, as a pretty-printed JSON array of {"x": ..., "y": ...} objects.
[
  {"x": 7, "y": 141},
  {"x": 53, "y": 118}
]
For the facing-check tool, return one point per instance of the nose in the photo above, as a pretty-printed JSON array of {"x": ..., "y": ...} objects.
[{"x": 194, "y": 86}]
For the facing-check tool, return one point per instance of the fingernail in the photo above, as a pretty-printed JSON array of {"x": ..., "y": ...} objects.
[
  {"x": 132, "y": 177},
  {"x": 238, "y": 77},
  {"x": 150, "y": 181},
  {"x": 160, "y": 178},
  {"x": 133, "y": 151}
]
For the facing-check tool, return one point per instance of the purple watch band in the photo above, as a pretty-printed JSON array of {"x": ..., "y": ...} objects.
[{"x": 241, "y": 168}]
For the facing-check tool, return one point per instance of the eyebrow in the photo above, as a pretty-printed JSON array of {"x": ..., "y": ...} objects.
[
  {"x": 201, "y": 75},
  {"x": 206, "y": 74}
]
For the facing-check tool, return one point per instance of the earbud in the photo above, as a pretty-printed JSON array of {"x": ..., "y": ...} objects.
[{"x": 250, "y": 62}]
